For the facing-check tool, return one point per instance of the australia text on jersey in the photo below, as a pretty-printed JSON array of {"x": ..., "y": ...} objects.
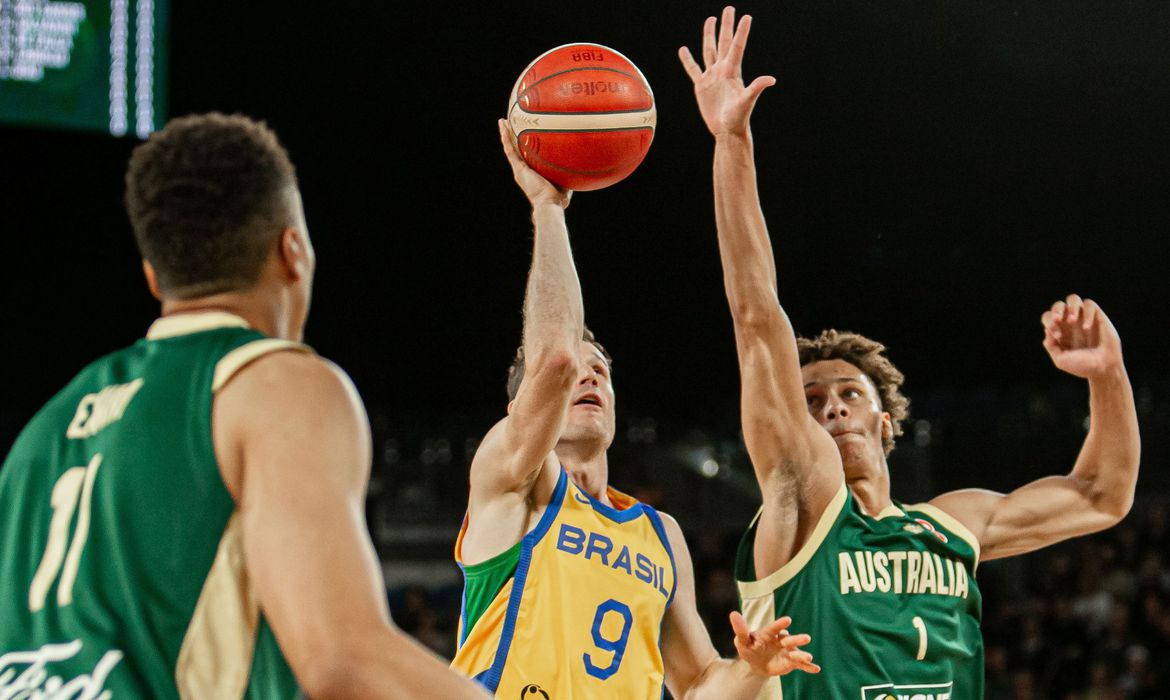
[
  {"x": 902, "y": 572},
  {"x": 597, "y": 548},
  {"x": 25, "y": 673}
]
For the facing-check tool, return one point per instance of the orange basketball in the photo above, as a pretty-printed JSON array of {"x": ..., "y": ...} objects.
[{"x": 583, "y": 116}]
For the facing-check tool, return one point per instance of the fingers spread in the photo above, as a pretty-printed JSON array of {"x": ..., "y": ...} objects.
[
  {"x": 739, "y": 41},
  {"x": 740, "y": 627},
  {"x": 792, "y": 641},
  {"x": 725, "y": 35},
  {"x": 775, "y": 627},
  {"x": 689, "y": 64},
  {"x": 709, "y": 54},
  {"x": 758, "y": 85}
]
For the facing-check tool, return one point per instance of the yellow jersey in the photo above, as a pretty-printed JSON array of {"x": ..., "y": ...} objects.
[{"x": 580, "y": 614}]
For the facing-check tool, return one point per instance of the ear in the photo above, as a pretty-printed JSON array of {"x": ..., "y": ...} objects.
[
  {"x": 510, "y": 405},
  {"x": 887, "y": 426},
  {"x": 294, "y": 254},
  {"x": 151, "y": 279}
]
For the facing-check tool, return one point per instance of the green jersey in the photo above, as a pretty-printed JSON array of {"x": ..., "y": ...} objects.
[
  {"x": 890, "y": 601},
  {"x": 122, "y": 571}
]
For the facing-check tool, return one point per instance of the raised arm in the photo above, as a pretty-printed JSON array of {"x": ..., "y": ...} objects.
[
  {"x": 511, "y": 459},
  {"x": 293, "y": 443},
  {"x": 1099, "y": 490},
  {"x": 796, "y": 461},
  {"x": 694, "y": 669}
]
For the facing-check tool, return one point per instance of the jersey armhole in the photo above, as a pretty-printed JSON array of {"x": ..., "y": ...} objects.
[
  {"x": 765, "y": 586},
  {"x": 230, "y": 364},
  {"x": 951, "y": 523},
  {"x": 482, "y": 583}
]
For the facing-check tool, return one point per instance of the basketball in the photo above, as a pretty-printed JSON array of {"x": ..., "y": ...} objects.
[{"x": 583, "y": 116}]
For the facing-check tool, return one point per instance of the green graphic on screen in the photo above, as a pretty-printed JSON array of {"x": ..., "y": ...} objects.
[{"x": 97, "y": 65}]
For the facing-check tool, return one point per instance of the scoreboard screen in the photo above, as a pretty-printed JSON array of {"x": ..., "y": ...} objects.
[{"x": 98, "y": 65}]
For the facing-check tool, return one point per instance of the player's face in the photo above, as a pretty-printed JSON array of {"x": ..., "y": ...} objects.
[
  {"x": 844, "y": 400},
  {"x": 591, "y": 413}
]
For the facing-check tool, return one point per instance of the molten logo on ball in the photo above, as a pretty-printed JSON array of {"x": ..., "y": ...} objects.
[
  {"x": 583, "y": 116},
  {"x": 592, "y": 88}
]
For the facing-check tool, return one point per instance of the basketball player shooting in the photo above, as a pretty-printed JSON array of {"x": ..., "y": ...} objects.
[
  {"x": 888, "y": 589},
  {"x": 574, "y": 589},
  {"x": 185, "y": 518}
]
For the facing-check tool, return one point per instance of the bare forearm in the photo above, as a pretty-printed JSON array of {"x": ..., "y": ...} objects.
[
  {"x": 1108, "y": 462},
  {"x": 749, "y": 271},
  {"x": 765, "y": 339},
  {"x": 553, "y": 310},
  {"x": 726, "y": 679},
  {"x": 396, "y": 668}
]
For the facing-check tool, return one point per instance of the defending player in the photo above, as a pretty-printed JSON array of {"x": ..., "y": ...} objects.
[
  {"x": 573, "y": 589},
  {"x": 888, "y": 589},
  {"x": 182, "y": 494}
]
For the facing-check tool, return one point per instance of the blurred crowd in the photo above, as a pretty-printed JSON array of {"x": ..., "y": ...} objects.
[{"x": 1085, "y": 620}]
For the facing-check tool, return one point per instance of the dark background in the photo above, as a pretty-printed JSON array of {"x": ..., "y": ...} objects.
[{"x": 935, "y": 174}]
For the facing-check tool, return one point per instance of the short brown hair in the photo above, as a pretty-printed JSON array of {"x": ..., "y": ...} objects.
[
  {"x": 205, "y": 197},
  {"x": 516, "y": 370},
  {"x": 868, "y": 356}
]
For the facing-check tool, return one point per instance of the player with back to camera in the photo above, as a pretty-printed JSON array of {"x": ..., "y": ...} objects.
[
  {"x": 574, "y": 589},
  {"x": 185, "y": 518},
  {"x": 888, "y": 589}
]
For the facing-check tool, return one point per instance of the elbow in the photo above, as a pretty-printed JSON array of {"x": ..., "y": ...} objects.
[
  {"x": 758, "y": 308},
  {"x": 326, "y": 678},
  {"x": 752, "y": 316},
  {"x": 1117, "y": 508},
  {"x": 1113, "y": 505},
  {"x": 556, "y": 366},
  {"x": 339, "y": 668}
]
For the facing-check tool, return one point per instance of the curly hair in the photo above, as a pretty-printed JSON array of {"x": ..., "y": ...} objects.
[
  {"x": 868, "y": 356},
  {"x": 516, "y": 369},
  {"x": 206, "y": 198}
]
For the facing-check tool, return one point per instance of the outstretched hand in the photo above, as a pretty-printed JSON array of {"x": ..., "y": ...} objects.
[
  {"x": 725, "y": 103},
  {"x": 1080, "y": 339},
  {"x": 772, "y": 650},
  {"x": 536, "y": 188}
]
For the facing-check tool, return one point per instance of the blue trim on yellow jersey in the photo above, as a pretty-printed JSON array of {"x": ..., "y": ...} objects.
[
  {"x": 462, "y": 608},
  {"x": 491, "y": 679},
  {"x": 462, "y": 597},
  {"x": 618, "y": 516},
  {"x": 656, "y": 521}
]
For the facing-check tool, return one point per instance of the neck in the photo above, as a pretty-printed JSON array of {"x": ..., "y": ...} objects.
[
  {"x": 262, "y": 312},
  {"x": 587, "y": 467},
  {"x": 871, "y": 487}
]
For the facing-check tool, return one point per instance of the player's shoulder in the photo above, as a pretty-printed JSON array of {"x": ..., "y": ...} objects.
[
  {"x": 672, "y": 530},
  {"x": 286, "y": 377},
  {"x": 940, "y": 517}
]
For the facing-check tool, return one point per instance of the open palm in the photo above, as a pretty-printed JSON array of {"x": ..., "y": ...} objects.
[
  {"x": 772, "y": 650},
  {"x": 724, "y": 101}
]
